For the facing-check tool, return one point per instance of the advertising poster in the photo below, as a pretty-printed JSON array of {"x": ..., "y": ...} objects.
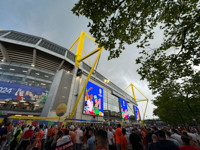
[
  {"x": 124, "y": 109},
  {"x": 93, "y": 104},
  {"x": 137, "y": 113},
  {"x": 21, "y": 92}
]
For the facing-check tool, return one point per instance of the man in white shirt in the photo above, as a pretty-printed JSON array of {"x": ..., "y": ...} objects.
[
  {"x": 111, "y": 139},
  {"x": 64, "y": 142},
  {"x": 176, "y": 136},
  {"x": 44, "y": 137},
  {"x": 89, "y": 101},
  {"x": 26, "y": 129},
  {"x": 79, "y": 138},
  {"x": 168, "y": 137},
  {"x": 90, "y": 105}
]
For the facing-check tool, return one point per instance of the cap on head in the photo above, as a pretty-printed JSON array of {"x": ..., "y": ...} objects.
[{"x": 72, "y": 127}]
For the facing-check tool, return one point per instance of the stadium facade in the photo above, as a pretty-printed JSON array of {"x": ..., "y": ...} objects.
[{"x": 37, "y": 75}]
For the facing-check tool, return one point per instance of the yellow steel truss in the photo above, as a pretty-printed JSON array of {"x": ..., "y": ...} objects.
[
  {"x": 146, "y": 99},
  {"x": 80, "y": 39}
]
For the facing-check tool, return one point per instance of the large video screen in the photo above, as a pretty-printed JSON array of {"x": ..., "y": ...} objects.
[
  {"x": 93, "y": 100},
  {"x": 137, "y": 113},
  {"x": 21, "y": 92},
  {"x": 124, "y": 109}
]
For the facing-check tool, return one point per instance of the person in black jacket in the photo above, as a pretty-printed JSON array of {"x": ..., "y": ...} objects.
[
  {"x": 148, "y": 137},
  {"x": 162, "y": 143},
  {"x": 135, "y": 140}
]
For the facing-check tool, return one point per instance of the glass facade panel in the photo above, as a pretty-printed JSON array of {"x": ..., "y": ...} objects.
[
  {"x": 111, "y": 102},
  {"x": 26, "y": 75}
]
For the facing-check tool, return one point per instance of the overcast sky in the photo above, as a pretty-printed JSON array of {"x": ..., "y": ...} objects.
[{"x": 54, "y": 21}]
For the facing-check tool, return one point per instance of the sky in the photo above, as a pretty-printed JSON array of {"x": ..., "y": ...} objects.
[{"x": 54, "y": 21}]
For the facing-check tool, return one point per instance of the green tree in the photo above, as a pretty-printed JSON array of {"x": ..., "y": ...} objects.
[{"x": 172, "y": 69}]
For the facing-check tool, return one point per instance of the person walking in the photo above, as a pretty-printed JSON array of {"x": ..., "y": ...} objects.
[
  {"x": 44, "y": 137},
  {"x": 16, "y": 138},
  {"x": 64, "y": 141},
  {"x": 26, "y": 139},
  {"x": 90, "y": 141},
  {"x": 5, "y": 135},
  {"x": 123, "y": 141},
  {"x": 162, "y": 143},
  {"x": 38, "y": 139},
  {"x": 117, "y": 134},
  {"x": 111, "y": 139},
  {"x": 79, "y": 138},
  {"x": 135, "y": 140},
  {"x": 186, "y": 144},
  {"x": 101, "y": 140}
]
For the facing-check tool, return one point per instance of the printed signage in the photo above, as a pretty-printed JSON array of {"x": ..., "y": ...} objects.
[
  {"x": 124, "y": 109},
  {"x": 21, "y": 92},
  {"x": 93, "y": 104}
]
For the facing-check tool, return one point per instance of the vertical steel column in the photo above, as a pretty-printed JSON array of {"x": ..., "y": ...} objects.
[
  {"x": 133, "y": 91},
  {"x": 80, "y": 47},
  {"x": 34, "y": 58},
  {"x": 145, "y": 112}
]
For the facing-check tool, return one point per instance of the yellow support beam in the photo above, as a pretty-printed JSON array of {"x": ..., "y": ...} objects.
[
  {"x": 87, "y": 58},
  {"x": 72, "y": 46},
  {"x": 90, "y": 38},
  {"x": 80, "y": 47},
  {"x": 141, "y": 100},
  {"x": 145, "y": 111},
  {"x": 84, "y": 86},
  {"x": 146, "y": 99},
  {"x": 141, "y": 93},
  {"x": 80, "y": 41},
  {"x": 127, "y": 88},
  {"x": 133, "y": 91},
  {"x": 88, "y": 55}
]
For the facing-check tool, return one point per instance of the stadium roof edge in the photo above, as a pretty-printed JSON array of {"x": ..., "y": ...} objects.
[
  {"x": 6, "y": 33},
  {"x": 43, "y": 43}
]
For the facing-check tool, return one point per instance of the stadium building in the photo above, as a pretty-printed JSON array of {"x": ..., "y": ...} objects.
[{"x": 37, "y": 75}]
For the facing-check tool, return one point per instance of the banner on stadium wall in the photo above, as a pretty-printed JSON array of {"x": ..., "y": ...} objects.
[
  {"x": 22, "y": 92},
  {"x": 137, "y": 113},
  {"x": 50, "y": 123},
  {"x": 29, "y": 122},
  {"x": 93, "y": 104},
  {"x": 124, "y": 109},
  {"x": 21, "y": 122}
]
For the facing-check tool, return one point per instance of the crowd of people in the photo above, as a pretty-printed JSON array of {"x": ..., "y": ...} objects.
[{"x": 97, "y": 137}]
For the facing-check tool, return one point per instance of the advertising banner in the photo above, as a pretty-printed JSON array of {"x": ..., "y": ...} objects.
[
  {"x": 93, "y": 104},
  {"x": 137, "y": 113},
  {"x": 21, "y": 92},
  {"x": 124, "y": 109}
]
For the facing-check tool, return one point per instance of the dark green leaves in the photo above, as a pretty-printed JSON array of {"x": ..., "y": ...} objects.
[{"x": 169, "y": 68}]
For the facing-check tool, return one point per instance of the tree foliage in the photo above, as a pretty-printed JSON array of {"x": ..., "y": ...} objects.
[{"x": 172, "y": 68}]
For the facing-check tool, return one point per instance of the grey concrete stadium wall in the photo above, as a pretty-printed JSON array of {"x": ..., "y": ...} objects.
[{"x": 59, "y": 93}]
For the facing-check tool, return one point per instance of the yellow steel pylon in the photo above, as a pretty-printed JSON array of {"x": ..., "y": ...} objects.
[
  {"x": 146, "y": 99},
  {"x": 80, "y": 41}
]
